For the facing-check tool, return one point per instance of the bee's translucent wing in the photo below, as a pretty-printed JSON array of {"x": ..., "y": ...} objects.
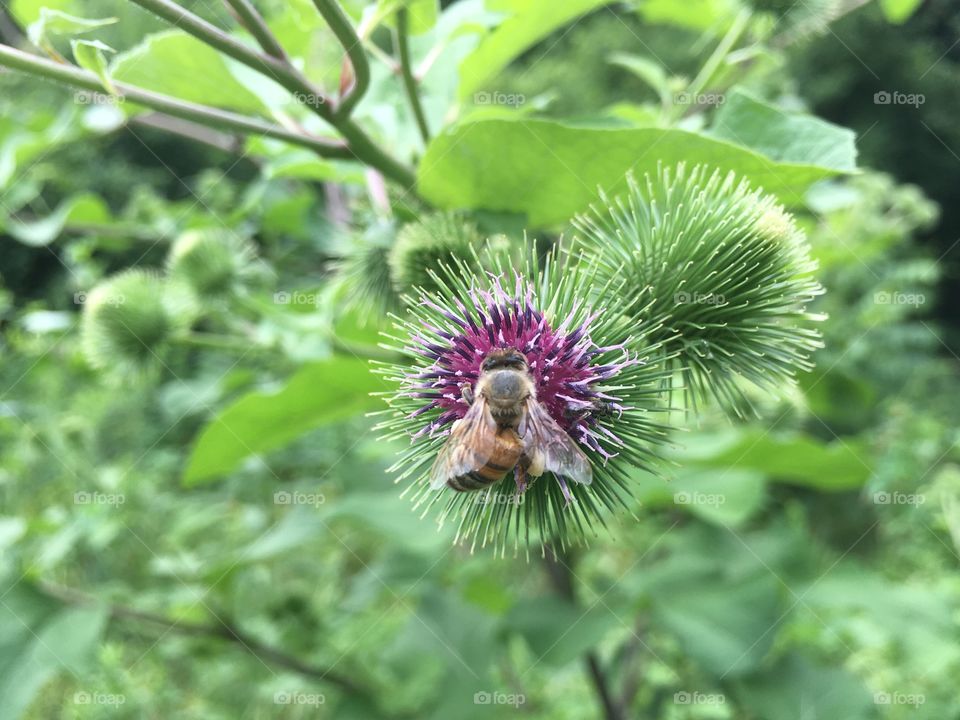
[
  {"x": 469, "y": 446},
  {"x": 546, "y": 441}
]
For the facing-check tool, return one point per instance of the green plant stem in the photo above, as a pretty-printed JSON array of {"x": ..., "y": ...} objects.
[
  {"x": 561, "y": 578},
  {"x": 341, "y": 26},
  {"x": 202, "y": 114},
  {"x": 360, "y": 145},
  {"x": 274, "y": 68},
  {"x": 223, "y": 630},
  {"x": 409, "y": 81},
  {"x": 699, "y": 83},
  {"x": 253, "y": 21}
]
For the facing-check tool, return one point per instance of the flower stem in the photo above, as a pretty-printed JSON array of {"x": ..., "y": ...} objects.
[
  {"x": 253, "y": 22},
  {"x": 409, "y": 81},
  {"x": 359, "y": 143},
  {"x": 561, "y": 577},
  {"x": 340, "y": 25},
  {"x": 202, "y": 114}
]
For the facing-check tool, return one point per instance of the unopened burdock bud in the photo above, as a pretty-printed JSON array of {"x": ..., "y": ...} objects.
[{"x": 129, "y": 318}]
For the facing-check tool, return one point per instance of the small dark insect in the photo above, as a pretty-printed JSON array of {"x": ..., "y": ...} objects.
[{"x": 506, "y": 428}]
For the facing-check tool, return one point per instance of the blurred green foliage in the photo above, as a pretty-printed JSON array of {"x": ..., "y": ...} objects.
[{"x": 215, "y": 535}]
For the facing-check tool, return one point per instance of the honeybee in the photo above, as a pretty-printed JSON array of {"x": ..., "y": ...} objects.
[{"x": 506, "y": 428}]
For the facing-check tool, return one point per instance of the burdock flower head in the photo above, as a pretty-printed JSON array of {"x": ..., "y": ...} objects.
[{"x": 525, "y": 401}]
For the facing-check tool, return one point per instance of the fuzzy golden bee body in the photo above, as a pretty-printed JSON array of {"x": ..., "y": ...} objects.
[{"x": 506, "y": 428}]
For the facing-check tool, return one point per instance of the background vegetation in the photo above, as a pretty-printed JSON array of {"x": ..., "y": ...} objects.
[{"x": 201, "y": 526}]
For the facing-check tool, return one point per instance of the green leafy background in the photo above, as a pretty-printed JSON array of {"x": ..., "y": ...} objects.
[{"x": 217, "y": 537}]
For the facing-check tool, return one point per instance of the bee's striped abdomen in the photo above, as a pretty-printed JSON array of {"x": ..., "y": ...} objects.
[{"x": 506, "y": 452}]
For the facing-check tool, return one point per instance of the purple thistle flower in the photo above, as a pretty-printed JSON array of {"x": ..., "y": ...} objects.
[
  {"x": 563, "y": 361},
  {"x": 594, "y": 374}
]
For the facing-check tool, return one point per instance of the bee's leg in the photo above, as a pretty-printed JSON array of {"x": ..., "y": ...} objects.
[
  {"x": 467, "y": 393},
  {"x": 566, "y": 491},
  {"x": 520, "y": 476}
]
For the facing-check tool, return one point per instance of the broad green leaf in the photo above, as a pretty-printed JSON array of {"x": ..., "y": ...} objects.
[
  {"x": 178, "y": 64},
  {"x": 533, "y": 21},
  {"x": 693, "y": 14},
  {"x": 647, "y": 70},
  {"x": 796, "y": 459},
  {"x": 556, "y": 630},
  {"x": 27, "y": 12},
  {"x": 58, "y": 23},
  {"x": 551, "y": 171},
  {"x": 725, "y": 627},
  {"x": 83, "y": 209},
  {"x": 319, "y": 394},
  {"x": 40, "y": 638},
  {"x": 394, "y": 519},
  {"x": 721, "y": 495},
  {"x": 899, "y": 11},
  {"x": 784, "y": 137},
  {"x": 298, "y": 526},
  {"x": 89, "y": 54},
  {"x": 421, "y": 14},
  {"x": 797, "y": 688}
]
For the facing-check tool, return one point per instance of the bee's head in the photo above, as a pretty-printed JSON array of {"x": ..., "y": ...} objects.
[{"x": 504, "y": 358}]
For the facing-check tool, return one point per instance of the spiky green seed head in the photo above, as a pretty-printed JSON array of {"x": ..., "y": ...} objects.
[
  {"x": 129, "y": 318},
  {"x": 720, "y": 273},
  {"x": 424, "y": 245},
  {"x": 211, "y": 261}
]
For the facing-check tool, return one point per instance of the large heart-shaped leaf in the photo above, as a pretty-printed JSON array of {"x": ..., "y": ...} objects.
[
  {"x": 319, "y": 394},
  {"x": 551, "y": 171}
]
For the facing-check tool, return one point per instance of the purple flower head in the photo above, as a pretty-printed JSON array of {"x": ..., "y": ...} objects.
[
  {"x": 594, "y": 378},
  {"x": 562, "y": 357}
]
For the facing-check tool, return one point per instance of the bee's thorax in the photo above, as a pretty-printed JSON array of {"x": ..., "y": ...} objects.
[{"x": 505, "y": 391}]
